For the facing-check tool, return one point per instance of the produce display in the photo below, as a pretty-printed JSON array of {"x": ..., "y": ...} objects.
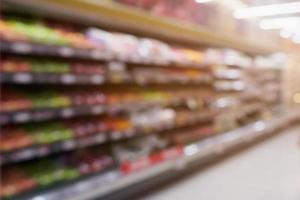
[
  {"x": 16, "y": 100},
  {"x": 148, "y": 100},
  {"x": 49, "y": 171},
  {"x": 50, "y": 66},
  {"x": 120, "y": 46},
  {"x": 89, "y": 71},
  {"x": 27, "y": 135}
]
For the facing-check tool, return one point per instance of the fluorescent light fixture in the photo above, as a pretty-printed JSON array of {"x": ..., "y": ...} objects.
[
  {"x": 279, "y": 23},
  {"x": 296, "y": 98},
  {"x": 285, "y": 33},
  {"x": 296, "y": 39},
  {"x": 191, "y": 150},
  {"x": 203, "y": 1},
  {"x": 259, "y": 126},
  {"x": 268, "y": 10}
]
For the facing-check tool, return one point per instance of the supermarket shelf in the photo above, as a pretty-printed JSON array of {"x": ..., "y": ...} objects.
[
  {"x": 37, "y": 115},
  {"x": 104, "y": 185},
  {"x": 80, "y": 79},
  {"x": 47, "y": 114},
  {"x": 47, "y": 149},
  {"x": 36, "y": 151},
  {"x": 232, "y": 74},
  {"x": 124, "y": 18},
  {"x": 51, "y": 78},
  {"x": 28, "y": 48},
  {"x": 65, "y": 113}
]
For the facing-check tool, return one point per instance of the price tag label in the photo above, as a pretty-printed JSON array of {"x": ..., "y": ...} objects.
[
  {"x": 129, "y": 133},
  {"x": 68, "y": 79},
  {"x": 100, "y": 138},
  {"x": 22, "y": 48},
  {"x": 97, "y": 79},
  {"x": 68, "y": 144},
  {"x": 43, "y": 150},
  {"x": 86, "y": 141},
  {"x": 117, "y": 66},
  {"x": 24, "y": 154},
  {"x": 116, "y": 135},
  {"x": 22, "y": 117},
  {"x": 67, "y": 112},
  {"x": 66, "y": 51},
  {"x": 97, "y": 109},
  {"x": 22, "y": 78},
  {"x": 97, "y": 55}
]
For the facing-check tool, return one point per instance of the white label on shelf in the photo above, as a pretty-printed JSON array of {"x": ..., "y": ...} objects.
[
  {"x": 97, "y": 54},
  {"x": 97, "y": 109},
  {"x": 22, "y": 78},
  {"x": 22, "y": 117},
  {"x": 68, "y": 79},
  {"x": 97, "y": 79},
  {"x": 68, "y": 144},
  {"x": 28, "y": 153},
  {"x": 67, "y": 112},
  {"x": 100, "y": 138},
  {"x": 21, "y": 47},
  {"x": 116, "y": 66},
  {"x": 87, "y": 141},
  {"x": 116, "y": 135},
  {"x": 66, "y": 51},
  {"x": 43, "y": 150},
  {"x": 129, "y": 133},
  {"x": 92, "y": 140}
]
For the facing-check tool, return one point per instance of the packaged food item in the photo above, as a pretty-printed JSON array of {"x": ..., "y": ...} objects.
[
  {"x": 37, "y": 32},
  {"x": 47, "y": 132},
  {"x": 14, "y": 180},
  {"x": 138, "y": 148},
  {"x": 14, "y": 138},
  {"x": 12, "y": 101},
  {"x": 191, "y": 135},
  {"x": 154, "y": 51},
  {"x": 49, "y": 171},
  {"x": 14, "y": 65},
  {"x": 48, "y": 99},
  {"x": 9, "y": 33},
  {"x": 154, "y": 118},
  {"x": 89, "y": 161}
]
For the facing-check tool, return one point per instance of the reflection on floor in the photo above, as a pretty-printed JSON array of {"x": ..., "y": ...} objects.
[{"x": 267, "y": 171}]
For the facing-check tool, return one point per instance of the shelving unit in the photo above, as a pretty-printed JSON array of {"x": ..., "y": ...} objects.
[
  {"x": 106, "y": 129},
  {"x": 108, "y": 185},
  {"x": 137, "y": 22}
]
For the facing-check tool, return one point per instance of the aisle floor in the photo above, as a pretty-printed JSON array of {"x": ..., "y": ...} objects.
[{"x": 267, "y": 171}]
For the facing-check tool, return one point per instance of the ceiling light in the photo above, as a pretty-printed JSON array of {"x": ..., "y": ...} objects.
[
  {"x": 232, "y": 4},
  {"x": 296, "y": 98},
  {"x": 279, "y": 23},
  {"x": 203, "y": 1},
  {"x": 296, "y": 39},
  {"x": 285, "y": 33},
  {"x": 268, "y": 10}
]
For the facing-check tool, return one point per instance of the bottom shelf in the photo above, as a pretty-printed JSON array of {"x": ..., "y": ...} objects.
[{"x": 113, "y": 184}]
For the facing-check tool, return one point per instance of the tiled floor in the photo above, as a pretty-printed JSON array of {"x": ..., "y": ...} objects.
[{"x": 267, "y": 171}]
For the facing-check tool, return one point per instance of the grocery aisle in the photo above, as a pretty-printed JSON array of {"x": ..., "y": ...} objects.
[
  {"x": 269, "y": 170},
  {"x": 95, "y": 109}
]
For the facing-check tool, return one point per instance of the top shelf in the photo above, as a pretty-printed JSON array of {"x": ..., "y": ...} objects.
[{"x": 115, "y": 16}]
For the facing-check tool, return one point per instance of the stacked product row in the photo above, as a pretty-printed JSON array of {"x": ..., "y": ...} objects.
[
  {"x": 47, "y": 71},
  {"x": 58, "y": 129}
]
